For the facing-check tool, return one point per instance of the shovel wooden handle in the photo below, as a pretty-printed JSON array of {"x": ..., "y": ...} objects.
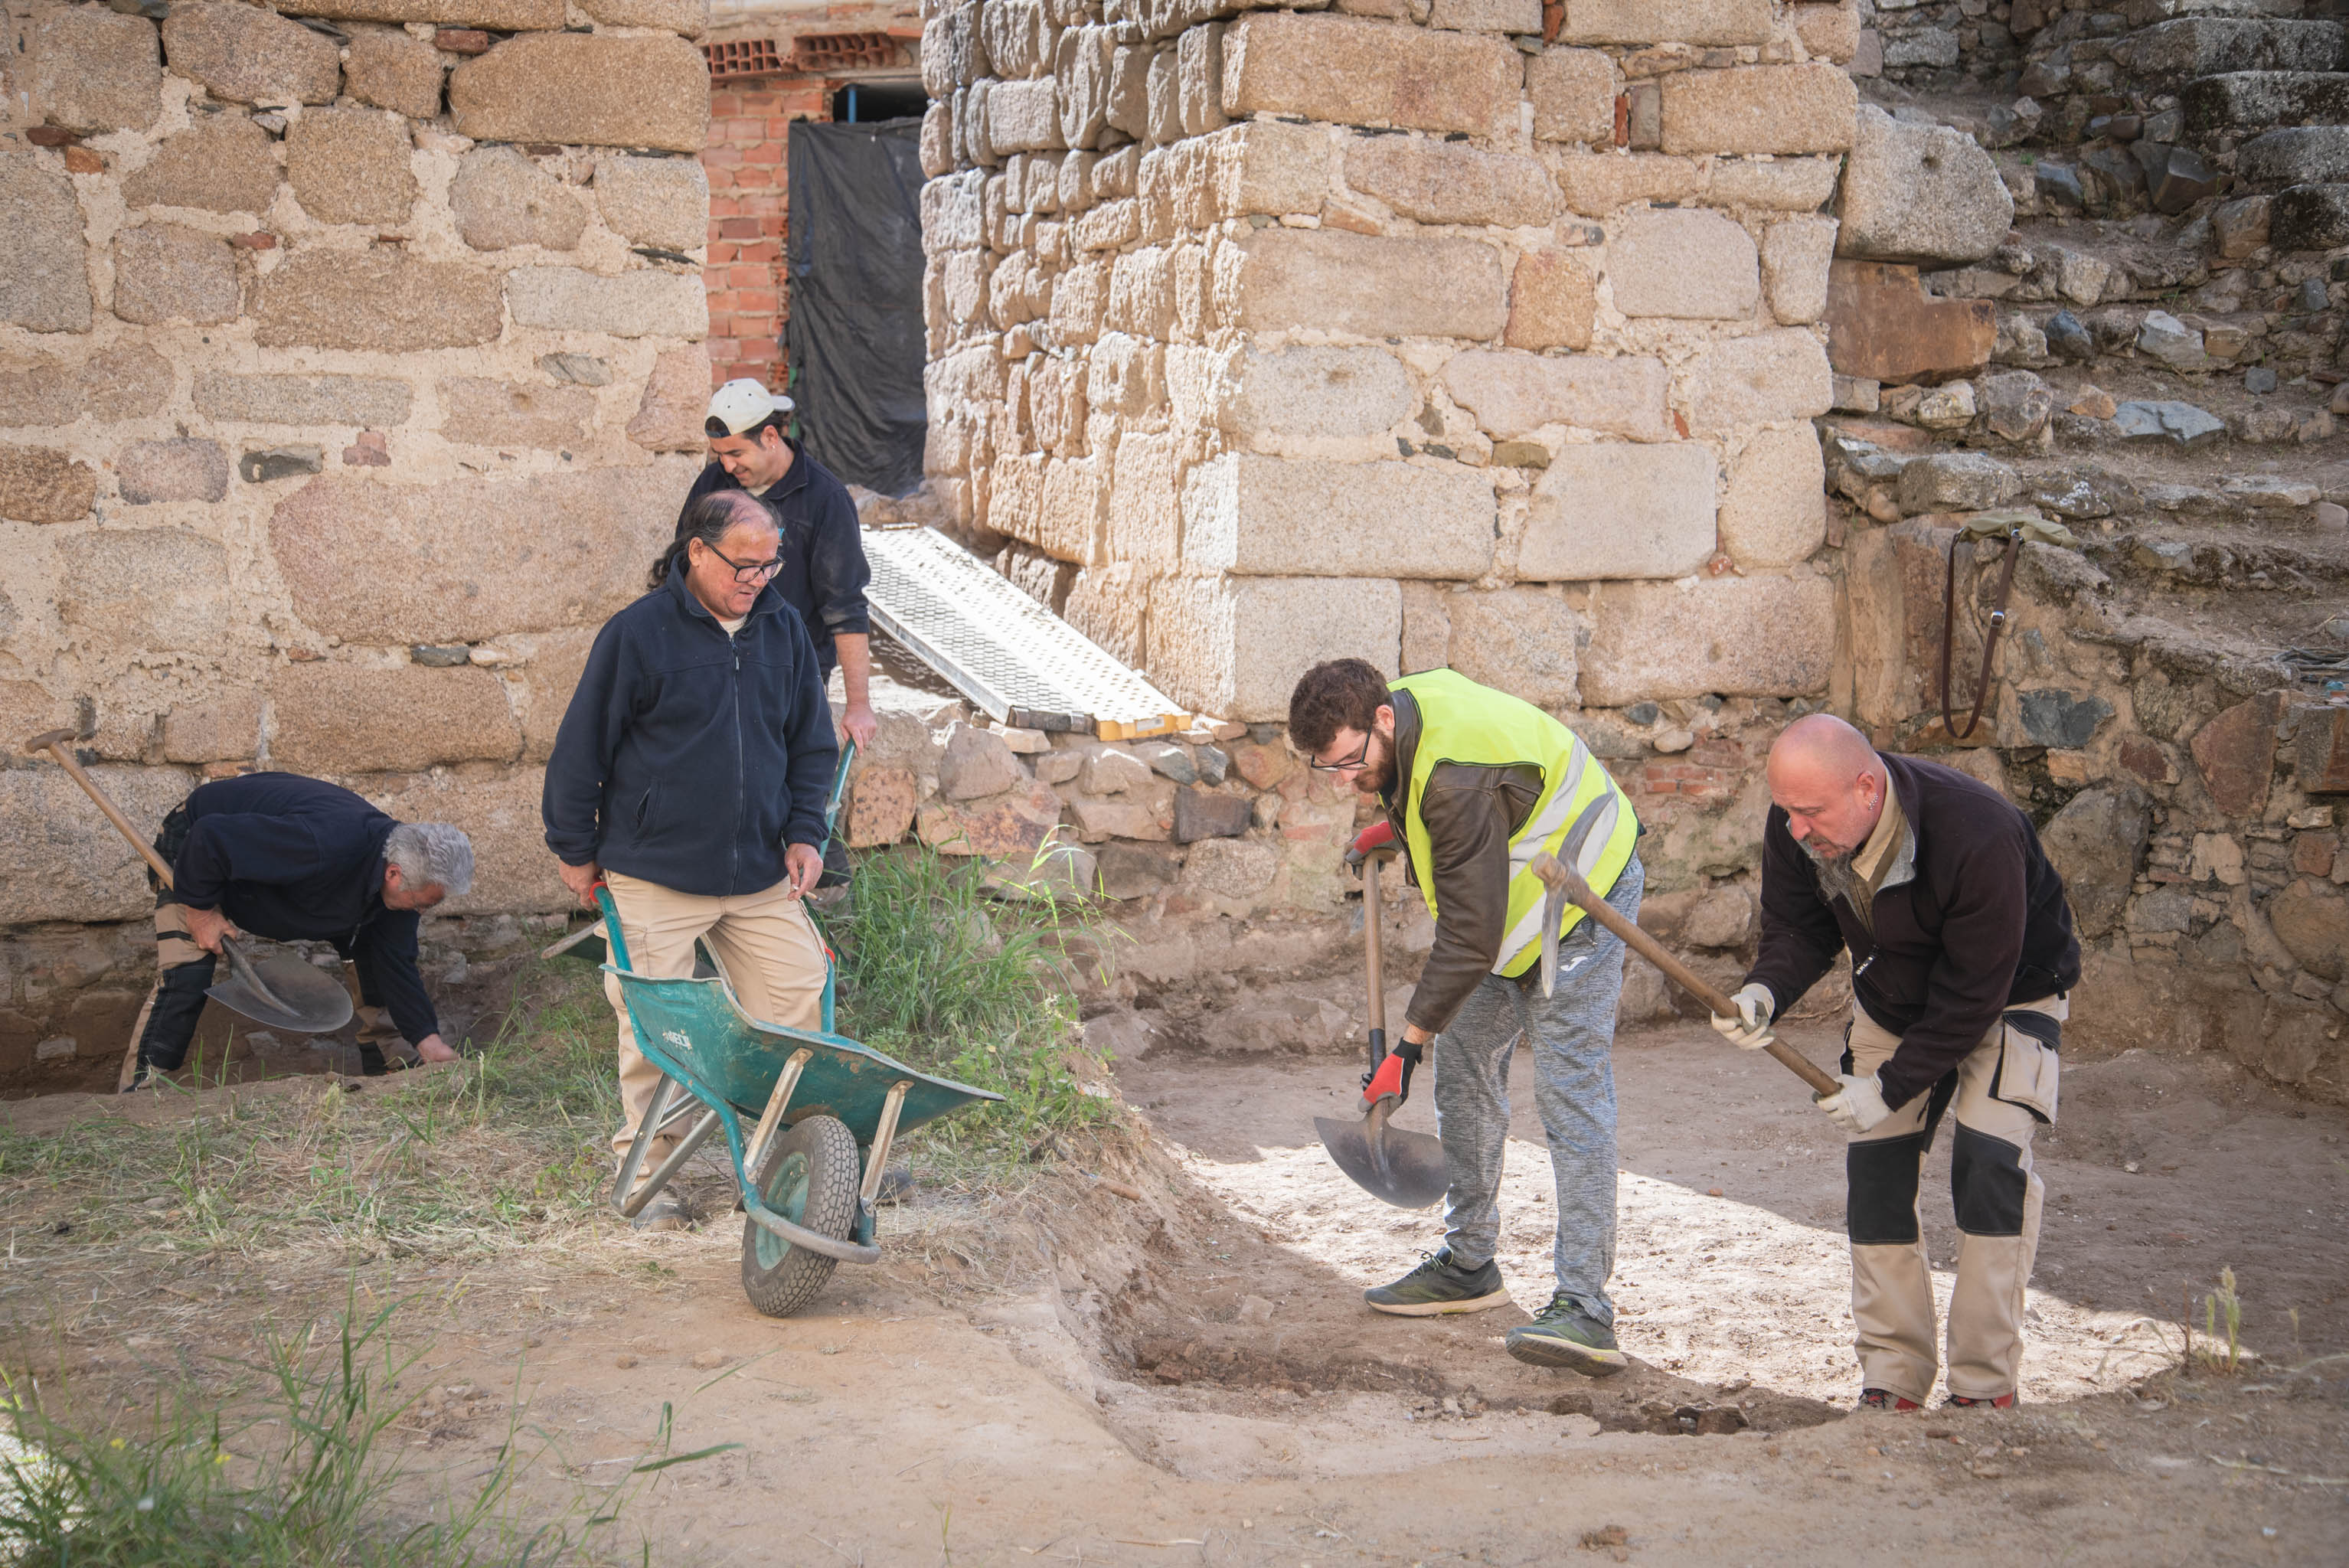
[
  {"x": 54, "y": 743},
  {"x": 1680, "y": 974}
]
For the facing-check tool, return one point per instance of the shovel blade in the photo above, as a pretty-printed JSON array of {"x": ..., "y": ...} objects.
[
  {"x": 1411, "y": 1174},
  {"x": 315, "y": 1003}
]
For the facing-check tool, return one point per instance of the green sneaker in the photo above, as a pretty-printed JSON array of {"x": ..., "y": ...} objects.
[
  {"x": 1438, "y": 1286},
  {"x": 1565, "y": 1335}
]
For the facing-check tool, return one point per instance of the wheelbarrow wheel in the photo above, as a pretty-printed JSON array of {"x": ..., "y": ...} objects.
[{"x": 810, "y": 1179}]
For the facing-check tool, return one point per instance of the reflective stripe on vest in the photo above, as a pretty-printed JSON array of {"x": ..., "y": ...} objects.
[{"x": 1459, "y": 721}]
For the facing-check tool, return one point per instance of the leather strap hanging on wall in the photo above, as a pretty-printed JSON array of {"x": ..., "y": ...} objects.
[{"x": 1989, "y": 642}]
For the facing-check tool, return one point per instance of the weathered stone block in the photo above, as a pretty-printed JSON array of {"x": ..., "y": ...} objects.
[
  {"x": 163, "y": 272},
  {"x": 378, "y": 563},
  {"x": 601, "y": 89},
  {"x": 1737, "y": 636},
  {"x": 1011, "y": 827},
  {"x": 1515, "y": 395},
  {"x": 503, "y": 15},
  {"x": 881, "y": 802},
  {"x": 392, "y": 71},
  {"x": 2235, "y": 754},
  {"x": 1666, "y": 22},
  {"x": 91, "y": 70},
  {"x": 2098, "y": 842},
  {"x": 1956, "y": 482},
  {"x": 499, "y": 810},
  {"x": 226, "y": 728},
  {"x": 357, "y": 400},
  {"x": 644, "y": 302},
  {"x": 677, "y": 396},
  {"x": 246, "y": 55},
  {"x": 44, "y": 281},
  {"x": 1693, "y": 264},
  {"x": 1769, "y": 376},
  {"x": 500, "y": 197},
  {"x": 1264, "y": 166},
  {"x": 346, "y": 718},
  {"x": 41, "y": 484},
  {"x": 690, "y": 17},
  {"x": 1883, "y": 327},
  {"x": 220, "y": 163},
  {"x": 2311, "y": 920},
  {"x": 1775, "y": 510},
  {"x": 1520, "y": 640},
  {"x": 127, "y": 383},
  {"x": 655, "y": 201},
  {"x": 1278, "y": 517},
  {"x": 1024, "y": 117},
  {"x": 1783, "y": 185},
  {"x": 477, "y": 410},
  {"x": 978, "y": 763},
  {"x": 1519, "y": 17},
  {"x": 372, "y": 300},
  {"x": 1209, "y": 814},
  {"x": 1920, "y": 192},
  {"x": 1448, "y": 182},
  {"x": 164, "y": 589},
  {"x": 1370, "y": 72},
  {"x": 1291, "y": 399},
  {"x": 350, "y": 166},
  {"x": 1827, "y": 32},
  {"x": 1797, "y": 254},
  {"x": 1609, "y": 510},
  {"x": 1552, "y": 302},
  {"x": 1073, "y": 512},
  {"x": 1144, "y": 503},
  {"x": 183, "y": 470},
  {"x": 1759, "y": 108},
  {"x": 1573, "y": 94},
  {"x": 59, "y": 860},
  {"x": 1597, "y": 184},
  {"x": 1233, "y": 646},
  {"x": 1369, "y": 285},
  {"x": 2320, "y": 738}
]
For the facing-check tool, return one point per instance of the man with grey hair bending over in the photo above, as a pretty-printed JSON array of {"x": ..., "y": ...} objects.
[{"x": 297, "y": 860}]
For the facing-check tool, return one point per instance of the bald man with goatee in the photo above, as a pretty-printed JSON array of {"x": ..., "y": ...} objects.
[{"x": 1962, "y": 957}]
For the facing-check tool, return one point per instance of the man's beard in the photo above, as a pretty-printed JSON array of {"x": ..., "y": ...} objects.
[
  {"x": 1838, "y": 879},
  {"x": 1378, "y": 776}
]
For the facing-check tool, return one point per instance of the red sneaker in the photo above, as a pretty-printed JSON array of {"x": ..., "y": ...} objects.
[
  {"x": 1884, "y": 1400},
  {"x": 1966, "y": 1402}
]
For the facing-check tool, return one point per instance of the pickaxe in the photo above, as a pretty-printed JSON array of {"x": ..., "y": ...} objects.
[{"x": 1563, "y": 873}]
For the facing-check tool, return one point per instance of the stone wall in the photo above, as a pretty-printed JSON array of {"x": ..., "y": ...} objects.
[{"x": 339, "y": 403}]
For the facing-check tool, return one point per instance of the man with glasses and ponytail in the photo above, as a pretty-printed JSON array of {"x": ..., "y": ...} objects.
[
  {"x": 824, "y": 571},
  {"x": 689, "y": 776}
]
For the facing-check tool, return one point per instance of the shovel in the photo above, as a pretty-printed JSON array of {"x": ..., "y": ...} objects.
[
  {"x": 1406, "y": 1169},
  {"x": 1563, "y": 872},
  {"x": 279, "y": 990}
]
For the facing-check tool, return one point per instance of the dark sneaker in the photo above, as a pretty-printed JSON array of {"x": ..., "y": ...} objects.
[
  {"x": 1565, "y": 1335},
  {"x": 1967, "y": 1402},
  {"x": 1436, "y": 1286},
  {"x": 1885, "y": 1399}
]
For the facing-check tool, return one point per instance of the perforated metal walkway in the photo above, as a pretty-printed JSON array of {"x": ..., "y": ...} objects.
[{"x": 1010, "y": 655}]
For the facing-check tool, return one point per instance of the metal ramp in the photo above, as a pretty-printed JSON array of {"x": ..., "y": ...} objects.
[{"x": 1013, "y": 657}]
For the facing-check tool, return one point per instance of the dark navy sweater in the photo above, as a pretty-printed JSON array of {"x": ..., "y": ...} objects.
[
  {"x": 298, "y": 860},
  {"x": 688, "y": 758},
  {"x": 824, "y": 570}
]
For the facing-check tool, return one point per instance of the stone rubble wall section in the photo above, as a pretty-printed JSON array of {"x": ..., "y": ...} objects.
[{"x": 339, "y": 406}]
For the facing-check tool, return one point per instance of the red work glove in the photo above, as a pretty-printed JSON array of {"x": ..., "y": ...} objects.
[
  {"x": 1377, "y": 836},
  {"x": 1391, "y": 1077}
]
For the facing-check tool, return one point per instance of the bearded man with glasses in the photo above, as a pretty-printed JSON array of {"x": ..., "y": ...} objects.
[{"x": 689, "y": 777}]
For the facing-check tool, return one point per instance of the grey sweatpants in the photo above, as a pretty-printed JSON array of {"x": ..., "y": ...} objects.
[{"x": 1572, "y": 1033}]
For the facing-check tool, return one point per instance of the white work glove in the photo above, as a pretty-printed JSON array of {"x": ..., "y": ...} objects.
[
  {"x": 1749, "y": 1029},
  {"x": 1858, "y": 1106}
]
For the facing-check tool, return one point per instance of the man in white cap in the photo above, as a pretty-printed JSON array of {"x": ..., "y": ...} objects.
[{"x": 824, "y": 571}]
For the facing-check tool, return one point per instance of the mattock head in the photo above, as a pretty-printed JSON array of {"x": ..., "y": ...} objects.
[
  {"x": 47, "y": 738},
  {"x": 1563, "y": 872}
]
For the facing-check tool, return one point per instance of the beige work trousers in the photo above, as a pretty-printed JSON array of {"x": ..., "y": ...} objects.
[
  {"x": 1998, "y": 1215},
  {"x": 765, "y": 945}
]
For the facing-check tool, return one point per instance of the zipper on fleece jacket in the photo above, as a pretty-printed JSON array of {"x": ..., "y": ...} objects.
[{"x": 741, "y": 780}]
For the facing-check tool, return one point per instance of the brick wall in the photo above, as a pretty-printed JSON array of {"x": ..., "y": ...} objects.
[{"x": 750, "y": 124}]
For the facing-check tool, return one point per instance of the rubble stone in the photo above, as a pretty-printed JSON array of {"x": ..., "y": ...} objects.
[
  {"x": 1688, "y": 264},
  {"x": 1774, "y": 510},
  {"x": 91, "y": 70},
  {"x": 643, "y": 303},
  {"x": 1515, "y": 395},
  {"x": 2321, "y": 738},
  {"x": 1923, "y": 193},
  {"x": 41, "y": 484},
  {"x": 1734, "y": 636},
  {"x": 2311, "y": 920},
  {"x": 976, "y": 764},
  {"x": 1353, "y": 72},
  {"x": 183, "y": 470},
  {"x": 2240, "y": 227},
  {"x": 2171, "y": 341},
  {"x": 2082, "y": 493},
  {"x": 392, "y": 71},
  {"x": 1614, "y": 512},
  {"x": 2235, "y": 754},
  {"x": 881, "y": 803},
  {"x": 2098, "y": 842},
  {"x": 1797, "y": 256},
  {"x": 2180, "y": 423},
  {"x": 501, "y": 198},
  {"x": 1759, "y": 108},
  {"x": 2015, "y": 405},
  {"x": 659, "y": 201},
  {"x": 1573, "y": 95},
  {"x": 1275, "y": 516},
  {"x": 1771, "y": 376},
  {"x": 44, "y": 281},
  {"x": 600, "y": 89},
  {"x": 375, "y": 301},
  {"x": 163, "y": 272},
  {"x": 1210, "y": 814},
  {"x": 245, "y": 54},
  {"x": 481, "y": 411},
  {"x": 1011, "y": 827},
  {"x": 1370, "y": 286},
  {"x": 1552, "y": 302},
  {"x": 350, "y": 166},
  {"x": 220, "y": 163},
  {"x": 334, "y": 717},
  {"x": 2055, "y": 717},
  {"x": 1446, "y": 182},
  {"x": 355, "y": 400},
  {"x": 1235, "y": 645},
  {"x": 1956, "y": 482}
]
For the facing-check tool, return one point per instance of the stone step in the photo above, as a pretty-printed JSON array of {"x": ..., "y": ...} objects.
[
  {"x": 2309, "y": 218},
  {"x": 2262, "y": 100},
  {"x": 2146, "y": 13},
  {"x": 2296, "y": 155},
  {"x": 2168, "y": 54}
]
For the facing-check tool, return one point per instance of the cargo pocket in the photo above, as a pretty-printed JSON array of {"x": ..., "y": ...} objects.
[{"x": 2028, "y": 1063}]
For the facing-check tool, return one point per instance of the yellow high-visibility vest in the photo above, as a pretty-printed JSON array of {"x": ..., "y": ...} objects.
[{"x": 1459, "y": 721}]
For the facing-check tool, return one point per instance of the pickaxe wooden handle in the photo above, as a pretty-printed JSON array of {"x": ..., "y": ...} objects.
[
  {"x": 1562, "y": 877},
  {"x": 54, "y": 743}
]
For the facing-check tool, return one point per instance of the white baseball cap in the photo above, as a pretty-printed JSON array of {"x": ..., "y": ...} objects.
[{"x": 742, "y": 403}]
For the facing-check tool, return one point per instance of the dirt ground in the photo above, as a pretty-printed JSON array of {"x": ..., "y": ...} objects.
[{"x": 1069, "y": 1376}]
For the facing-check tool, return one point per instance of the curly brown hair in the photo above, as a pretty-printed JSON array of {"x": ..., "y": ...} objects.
[{"x": 1338, "y": 694}]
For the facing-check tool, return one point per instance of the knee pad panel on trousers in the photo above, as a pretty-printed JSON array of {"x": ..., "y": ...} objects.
[
  {"x": 171, "y": 1021},
  {"x": 1881, "y": 1176},
  {"x": 1987, "y": 1184}
]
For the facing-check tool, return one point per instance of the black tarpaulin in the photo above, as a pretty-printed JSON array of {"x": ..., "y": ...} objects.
[{"x": 855, "y": 336}]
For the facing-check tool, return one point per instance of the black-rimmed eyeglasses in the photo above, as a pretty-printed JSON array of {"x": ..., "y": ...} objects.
[
  {"x": 756, "y": 571},
  {"x": 1361, "y": 758}
]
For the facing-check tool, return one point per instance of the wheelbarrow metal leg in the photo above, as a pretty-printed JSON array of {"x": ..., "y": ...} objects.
[
  {"x": 623, "y": 1188},
  {"x": 776, "y": 1102},
  {"x": 881, "y": 1136},
  {"x": 800, "y": 1236},
  {"x": 685, "y": 1150}
]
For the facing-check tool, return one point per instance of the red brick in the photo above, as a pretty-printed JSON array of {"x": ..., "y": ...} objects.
[
  {"x": 739, "y": 228},
  {"x": 763, "y": 349},
  {"x": 724, "y": 105},
  {"x": 765, "y": 152}
]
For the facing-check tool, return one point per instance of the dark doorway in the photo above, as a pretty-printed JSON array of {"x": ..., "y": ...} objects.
[
  {"x": 862, "y": 103},
  {"x": 855, "y": 336}
]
